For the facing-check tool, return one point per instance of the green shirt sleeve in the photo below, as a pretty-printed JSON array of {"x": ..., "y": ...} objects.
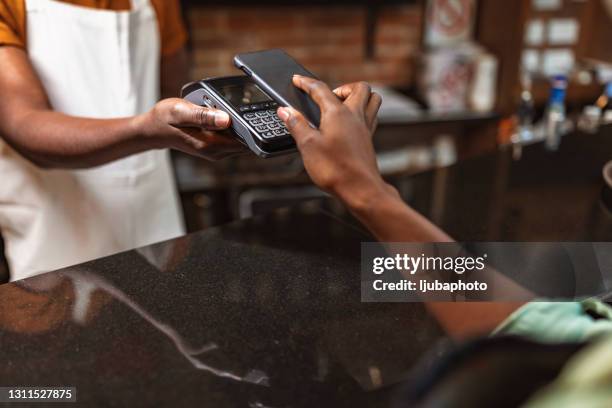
[{"x": 558, "y": 322}]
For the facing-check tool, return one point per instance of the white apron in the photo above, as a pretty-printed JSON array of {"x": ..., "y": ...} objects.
[{"x": 97, "y": 64}]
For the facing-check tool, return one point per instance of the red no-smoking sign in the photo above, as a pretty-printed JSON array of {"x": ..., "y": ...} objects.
[{"x": 450, "y": 17}]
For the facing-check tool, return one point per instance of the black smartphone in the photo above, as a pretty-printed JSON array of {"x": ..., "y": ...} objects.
[
  {"x": 253, "y": 112},
  {"x": 273, "y": 70}
]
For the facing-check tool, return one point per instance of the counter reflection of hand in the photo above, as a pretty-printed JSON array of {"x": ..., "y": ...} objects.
[
  {"x": 339, "y": 156},
  {"x": 178, "y": 124},
  {"x": 27, "y": 310}
]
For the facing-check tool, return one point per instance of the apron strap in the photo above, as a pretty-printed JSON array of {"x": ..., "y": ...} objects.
[{"x": 33, "y": 5}]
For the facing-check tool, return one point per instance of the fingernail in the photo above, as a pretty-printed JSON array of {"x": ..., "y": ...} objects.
[
  {"x": 221, "y": 119},
  {"x": 283, "y": 114}
]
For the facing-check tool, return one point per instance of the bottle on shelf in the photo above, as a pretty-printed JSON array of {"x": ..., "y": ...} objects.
[
  {"x": 589, "y": 119},
  {"x": 526, "y": 109},
  {"x": 555, "y": 112},
  {"x": 525, "y": 114}
]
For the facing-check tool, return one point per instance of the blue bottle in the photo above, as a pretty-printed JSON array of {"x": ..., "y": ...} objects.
[{"x": 555, "y": 112}]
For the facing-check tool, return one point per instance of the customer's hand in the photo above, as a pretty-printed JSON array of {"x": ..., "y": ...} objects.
[
  {"x": 178, "y": 124},
  {"x": 339, "y": 156}
]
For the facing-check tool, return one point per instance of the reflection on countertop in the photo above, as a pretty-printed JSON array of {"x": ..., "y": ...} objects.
[{"x": 265, "y": 312}]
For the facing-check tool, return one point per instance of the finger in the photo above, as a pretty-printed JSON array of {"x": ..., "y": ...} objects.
[
  {"x": 343, "y": 91},
  {"x": 371, "y": 111},
  {"x": 318, "y": 91},
  {"x": 373, "y": 127},
  {"x": 355, "y": 95},
  {"x": 296, "y": 124},
  {"x": 186, "y": 114}
]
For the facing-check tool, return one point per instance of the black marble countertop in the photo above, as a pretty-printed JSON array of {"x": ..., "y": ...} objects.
[{"x": 266, "y": 312}]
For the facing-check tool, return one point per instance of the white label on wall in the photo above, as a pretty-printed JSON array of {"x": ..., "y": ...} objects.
[
  {"x": 559, "y": 61},
  {"x": 542, "y": 5},
  {"x": 531, "y": 60},
  {"x": 534, "y": 32},
  {"x": 563, "y": 31}
]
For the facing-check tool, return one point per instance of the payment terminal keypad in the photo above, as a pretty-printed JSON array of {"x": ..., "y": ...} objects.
[{"x": 263, "y": 118}]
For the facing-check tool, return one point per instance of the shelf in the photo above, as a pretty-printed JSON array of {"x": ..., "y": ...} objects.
[{"x": 577, "y": 94}]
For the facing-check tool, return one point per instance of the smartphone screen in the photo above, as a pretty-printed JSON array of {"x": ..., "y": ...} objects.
[{"x": 273, "y": 70}]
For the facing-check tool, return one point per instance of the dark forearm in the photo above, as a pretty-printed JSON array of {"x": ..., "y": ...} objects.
[
  {"x": 54, "y": 140},
  {"x": 382, "y": 211},
  {"x": 386, "y": 216}
]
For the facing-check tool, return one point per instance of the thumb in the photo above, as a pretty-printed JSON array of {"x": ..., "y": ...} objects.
[
  {"x": 296, "y": 123},
  {"x": 184, "y": 113},
  {"x": 211, "y": 119}
]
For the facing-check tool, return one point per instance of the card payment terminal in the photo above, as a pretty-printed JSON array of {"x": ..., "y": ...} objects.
[{"x": 253, "y": 112}]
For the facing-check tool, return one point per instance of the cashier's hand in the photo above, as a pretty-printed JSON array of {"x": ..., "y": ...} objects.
[
  {"x": 339, "y": 156},
  {"x": 178, "y": 124}
]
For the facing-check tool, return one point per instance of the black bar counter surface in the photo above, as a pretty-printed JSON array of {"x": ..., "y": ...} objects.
[{"x": 266, "y": 312}]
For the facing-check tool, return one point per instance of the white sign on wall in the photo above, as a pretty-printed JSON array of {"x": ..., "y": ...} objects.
[
  {"x": 563, "y": 31},
  {"x": 547, "y": 5}
]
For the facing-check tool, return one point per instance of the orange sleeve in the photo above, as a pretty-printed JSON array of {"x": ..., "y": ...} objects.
[
  {"x": 12, "y": 23},
  {"x": 171, "y": 26}
]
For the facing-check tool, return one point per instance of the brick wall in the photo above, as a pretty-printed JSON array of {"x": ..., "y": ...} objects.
[{"x": 328, "y": 40}]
